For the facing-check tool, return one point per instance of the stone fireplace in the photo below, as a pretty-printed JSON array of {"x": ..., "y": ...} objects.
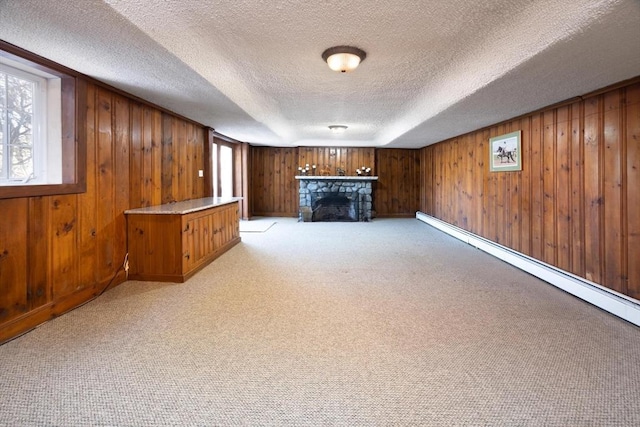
[{"x": 336, "y": 198}]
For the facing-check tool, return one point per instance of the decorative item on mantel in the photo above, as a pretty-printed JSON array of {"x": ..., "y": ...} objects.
[
  {"x": 326, "y": 171},
  {"x": 303, "y": 171},
  {"x": 364, "y": 171},
  {"x": 340, "y": 171}
]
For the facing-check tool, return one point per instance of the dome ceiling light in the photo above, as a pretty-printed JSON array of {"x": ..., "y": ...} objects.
[
  {"x": 343, "y": 58},
  {"x": 338, "y": 128}
]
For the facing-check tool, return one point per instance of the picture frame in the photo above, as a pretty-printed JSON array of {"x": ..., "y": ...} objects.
[{"x": 505, "y": 152}]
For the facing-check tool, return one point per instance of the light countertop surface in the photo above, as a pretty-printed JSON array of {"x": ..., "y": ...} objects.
[{"x": 184, "y": 207}]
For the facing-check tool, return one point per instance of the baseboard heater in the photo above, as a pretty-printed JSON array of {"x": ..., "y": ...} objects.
[{"x": 609, "y": 300}]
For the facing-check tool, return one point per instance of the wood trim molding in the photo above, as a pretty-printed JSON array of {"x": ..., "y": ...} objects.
[
  {"x": 73, "y": 122},
  {"x": 608, "y": 300}
]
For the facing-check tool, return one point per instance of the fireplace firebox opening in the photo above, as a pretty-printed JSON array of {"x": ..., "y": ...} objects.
[{"x": 334, "y": 207}]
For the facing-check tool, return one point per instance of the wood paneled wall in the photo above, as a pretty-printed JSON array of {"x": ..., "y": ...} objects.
[
  {"x": 576, "y": 202},
  {"x": 58, "y": 251},
  {"x": 397, "y": 191},
  {"x": 274, "y": 190},
  {"x": 347, "y": 158}
]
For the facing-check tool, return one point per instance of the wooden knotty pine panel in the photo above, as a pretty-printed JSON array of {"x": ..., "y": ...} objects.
[
  {"x": 274, "y": 189},
  {"x": 397, "y": 191},
  {"x": 576, "y": 202},
  {"x": 58, "y": 251},
  {"x": 347, "y": 158}
]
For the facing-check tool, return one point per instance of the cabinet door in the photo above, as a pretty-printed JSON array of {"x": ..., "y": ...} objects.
[
  {"x": 218, "y": 238},
  {"x": 188, "y": 243}
]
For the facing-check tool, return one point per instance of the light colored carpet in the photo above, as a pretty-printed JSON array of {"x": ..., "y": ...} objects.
[
  {"x": 256, "y": 225},
  {"x": 383, "y": 323}
]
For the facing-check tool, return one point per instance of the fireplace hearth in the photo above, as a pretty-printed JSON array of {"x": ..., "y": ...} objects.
[{"x": 336, "y": 198}]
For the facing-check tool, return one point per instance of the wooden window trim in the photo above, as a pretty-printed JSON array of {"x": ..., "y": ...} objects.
[{"x": 74, "y": 146}]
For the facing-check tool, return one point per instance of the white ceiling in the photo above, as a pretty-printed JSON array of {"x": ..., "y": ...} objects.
[{"x": 252, "y": 69}]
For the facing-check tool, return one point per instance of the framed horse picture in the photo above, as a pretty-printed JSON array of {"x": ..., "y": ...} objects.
[{"x": 505, "y": 152}]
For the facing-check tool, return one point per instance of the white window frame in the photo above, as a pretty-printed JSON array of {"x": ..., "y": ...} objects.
[{"x": 46, "y": 128}]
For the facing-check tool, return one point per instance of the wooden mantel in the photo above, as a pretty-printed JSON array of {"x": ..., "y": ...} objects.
[{"x": 336, "y": 178}]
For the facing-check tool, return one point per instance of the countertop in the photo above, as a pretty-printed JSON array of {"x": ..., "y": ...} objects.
[{"x": 184, "y": 207}]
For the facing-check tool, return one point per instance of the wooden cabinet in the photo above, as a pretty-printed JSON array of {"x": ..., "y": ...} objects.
[{"x": 170, "y": 243}]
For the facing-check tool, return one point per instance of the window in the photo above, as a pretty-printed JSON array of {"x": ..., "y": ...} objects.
[
  {"x": 29, "y": 143},
  {"x": 226, "y": 171},
  {"x": 39, "y": 151},
  {"x": 222, "y": 158}
]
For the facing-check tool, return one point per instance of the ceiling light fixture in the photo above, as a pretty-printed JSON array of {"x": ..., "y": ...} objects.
[
  {"x": 343, "y": 58},
  {"x": 338, "y": 128}
]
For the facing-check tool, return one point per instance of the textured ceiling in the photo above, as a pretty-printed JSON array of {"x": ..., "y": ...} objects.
[{"x": 253, "y": 69}]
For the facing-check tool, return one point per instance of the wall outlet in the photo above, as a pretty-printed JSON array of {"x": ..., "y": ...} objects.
[{"x": 200, "y": 173}]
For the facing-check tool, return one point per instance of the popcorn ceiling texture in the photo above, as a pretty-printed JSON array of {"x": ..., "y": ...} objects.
[{"x": 253, "y": 71}]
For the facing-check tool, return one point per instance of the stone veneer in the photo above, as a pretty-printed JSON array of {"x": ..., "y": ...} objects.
[{"x": 349, "y": 186}]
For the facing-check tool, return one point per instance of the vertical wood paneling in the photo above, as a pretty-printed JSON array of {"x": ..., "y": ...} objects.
[
  {"x": 87, "y": 216},
  {"x": 481, "y": 156},
  {"x": 278, "y": 160},
  {"x": 468, "y": 149},
  {"x": 183, "y": 159},
  {"x": 39, "y": 283},
  {"x": 549, "y": 174},
  {"x": 489, "y": 222},
  {"x": 612, "y": 174},
  {"x": 147, "y": 158},
  {"x": 168, "y": 174},
  {"x": 515, "y": 200},
  {"x": 156, "y": 157},
  {"x": 397, "y": 191},
  {"x": 287, "y": 169},
  {"x": 592, "y": 182},
  {"x": 274, "y": 189},
  {"x": 105, "y": 185},
  {"x": 632, "y": 190},
  {"x": 191, "y": 183},
  {"x": 537, "y": 197},
  {"x": 13, "y": 258},
  {"x": 136, "y": 194},
  {"x": 152, "y": 157},
  {"x": 500, "y": 213},
  {"x": 577, "y": 189},
  {"x": 348, "y": 158},
  {"x": 563, "y": 189},
  {"x": 197, "y": 146},
  {"x": 58, "y": 251},
  {"x": 181, "y": 155},
  {"x": 64, "y": 252},
  {"x": 575, "y": 202},
  {"x": 426, "y": 182},
  {"x": 437, "y": 179},
  {"x": 525, "y": 190},
  {"x": 121, "y": 176}
]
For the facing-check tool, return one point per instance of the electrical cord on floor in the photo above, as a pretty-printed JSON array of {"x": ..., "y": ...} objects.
[{"x": 124, "y": 266}]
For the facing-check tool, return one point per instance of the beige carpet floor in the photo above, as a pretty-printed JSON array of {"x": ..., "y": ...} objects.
[
  {"x": 383, "y": 323},
  {"x": 256, "y": 225}
]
